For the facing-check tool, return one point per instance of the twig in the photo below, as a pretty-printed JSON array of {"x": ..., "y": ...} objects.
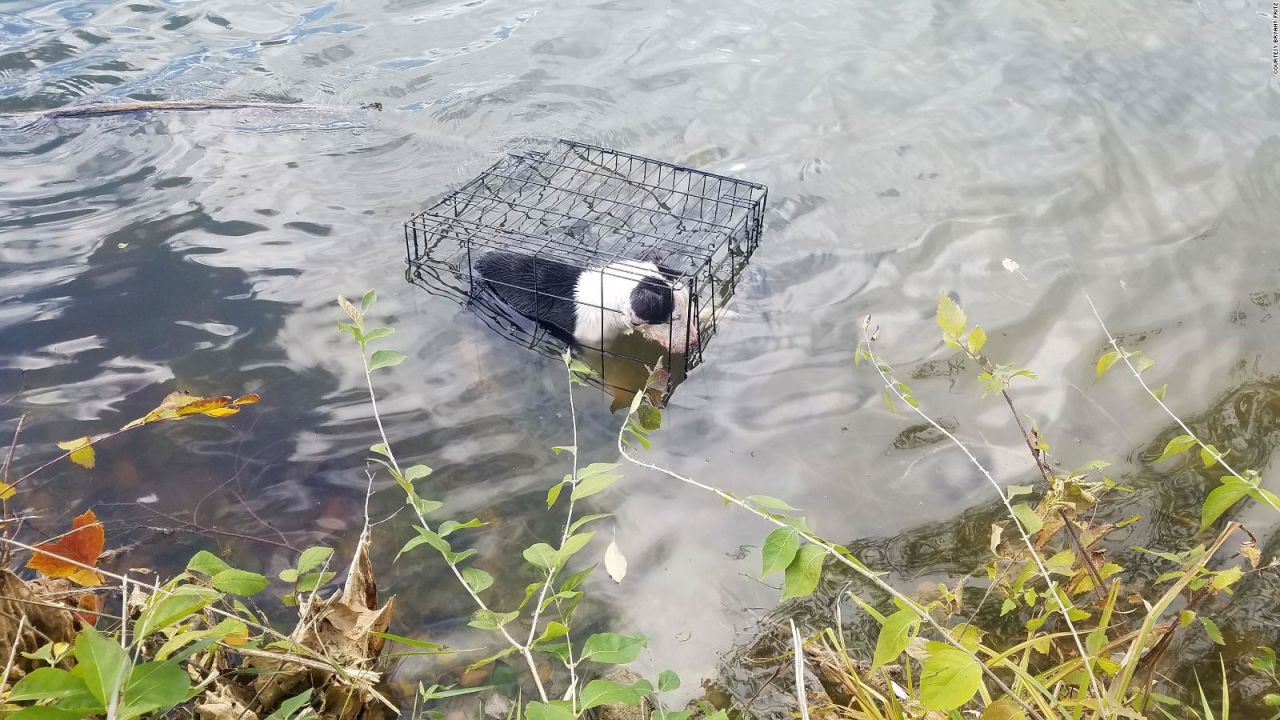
[
  {"x": 8, "y": 461},
  {"x": 249, "y": 509},
  {"x": 858, "y": 568},
  {"x": 101, "y": 109},
  {"x": 228, "y": 533},
  {"x": 1026, "y": 539},
  {"x": 1085, "y": 556},
  {"x": 1138, "y": 376},
  {"x": 797, "y": 648},
  {"x": 13, "y": 652}
]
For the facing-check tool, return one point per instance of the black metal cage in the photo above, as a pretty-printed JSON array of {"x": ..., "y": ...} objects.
[{"x": 585, "y": 206}]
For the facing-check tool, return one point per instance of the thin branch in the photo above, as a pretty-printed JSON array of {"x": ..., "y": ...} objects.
[
  {"x": 1022, "y": 532},
  {"x": 1138, "y": 376},
  {"x": 13, "y": 651},
  {"x": 214, "y": 531},
  {"x": 249, "y": 509}
]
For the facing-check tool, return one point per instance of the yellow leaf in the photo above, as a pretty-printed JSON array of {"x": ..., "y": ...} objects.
[
  {"x": 222, "y": 411},
  {"x": 250, "y": 399},
  {"x": 7, "y": 491},
  {"x": 180, "y": 404},
  {"x": 204, "y": 405},
  {"x": 950, "y": 317},
  {"x": 81, "y": 453}
]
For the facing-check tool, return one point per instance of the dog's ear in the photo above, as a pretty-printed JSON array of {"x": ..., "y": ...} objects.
[{"x": 652, "y": 302}]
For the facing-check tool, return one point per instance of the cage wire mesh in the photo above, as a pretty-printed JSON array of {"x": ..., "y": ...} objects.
[{"x": 570, "y": 204}]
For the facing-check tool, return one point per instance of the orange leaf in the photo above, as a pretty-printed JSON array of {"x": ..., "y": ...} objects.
[
  {"x": 89, "y": 604},
  {"x": 250, "y": 399},
  {"x": 204, "y": 405},
  {"x": 83, "y": 545}
]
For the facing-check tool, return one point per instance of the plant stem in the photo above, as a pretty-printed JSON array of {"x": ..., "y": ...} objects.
[
  {"x": 1022, "y": 532},
  {"x": 856, "y": 567},
  {"x": 1138, "y": 376},
  {"x": 564, "y": 537},
  {"x": 386, "y": 443}
]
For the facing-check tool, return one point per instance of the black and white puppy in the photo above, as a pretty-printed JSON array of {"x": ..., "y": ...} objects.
[{"x": 593, "y": 306}]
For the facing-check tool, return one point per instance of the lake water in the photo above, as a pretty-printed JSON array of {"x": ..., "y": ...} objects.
[{"x": 1127, "y": 149}]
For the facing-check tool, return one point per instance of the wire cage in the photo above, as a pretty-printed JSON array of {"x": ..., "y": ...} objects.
[{"x": 568, "y": 208}]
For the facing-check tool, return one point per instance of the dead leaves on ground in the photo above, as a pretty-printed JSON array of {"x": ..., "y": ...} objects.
[{"x": 58, "y": 558}]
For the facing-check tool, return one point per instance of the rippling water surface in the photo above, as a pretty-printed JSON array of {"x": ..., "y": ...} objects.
[{"x": 1123, "y": 148}]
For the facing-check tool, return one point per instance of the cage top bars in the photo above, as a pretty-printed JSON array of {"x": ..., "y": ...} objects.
[{"x": 588, "y": 206}]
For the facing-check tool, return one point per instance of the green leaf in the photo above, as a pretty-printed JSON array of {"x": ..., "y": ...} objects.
[
  {"x": 888, "y": 400},
  {"x": 416, "y": 472},
  {"x": 671, "y": 714},
  {"x": 377, "y": 334},
  {"x": 950, "y": 317},
  {"x": 1160, "y": 391},
  {"x": 593, "y": 479},
  {"x": 429, "y": 537},
  {"x": 381, "y": 449},
  {"x": 1211, "y": 629},
  {"x": 802, "y": 575},
  {"x": 48, "y": 683},
  {"x": 289, "y": 575},
  {"x": 977, "y": 338},
  {"x": 240, "y": 582},
  {"x": 408, "y": 641},
  {"x": 950, "y": 678},
  {"x": 491, "y": 659},
  {"x": 604, "y": 692},
  {"x": 313, "y": 557},
  {"x": 52, "y": 713},
  {"x": 1016, "y": 490},
  {"x": 1144, "y": 364},
  {"x": 1221, "y": 500},
  {"x": 490, "y": 620},
  {"x": 571, "y": 546},
  {"x": 895, "y": 636},
  {"x": 613, "y": 648},
  {"x": 206, "y": 563},
  {"x": 765, "y": 502},
  {"x": 554, "y": 494},
  {"x": 386, "y": 358},
  {"x": 154, "y": 686},
  {"x": 162, "y": 611},
  {"x": 541, "y": 556},
  {"x": 779, "y": 550},
  {"x": 448, "y": 527},
  {"x": 1031, "y": 521},
  {"x": 1105, "y": 362},
  {"x": 288, "y": 709},
  {"x": 554, "y": 710},
  {"x": 1176, "y": 446},
  {"x": 477, "y": 579},
  {"x": 1270, "y": 700},
  {"x": 367, "y": 301},
  {"x": 100, "y": 663},
  {"x": 311, "y": 581},
  {"x": 553, "y": 631},
  {"x": 1265, "y": 662},
  {"x": 668, "y": 680},
  {"x": 586, "y": 519}
]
